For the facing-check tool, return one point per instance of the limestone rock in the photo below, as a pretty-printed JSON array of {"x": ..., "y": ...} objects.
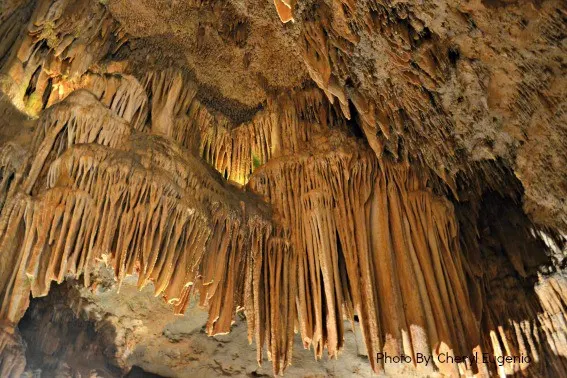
[{"x": 353, "y": 178}]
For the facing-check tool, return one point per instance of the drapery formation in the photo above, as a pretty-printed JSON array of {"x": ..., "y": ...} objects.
[
  {"x": 100, "y": 192},
  {"x": 234, "y": 150},
  {"x": 347, "y": 236},
  {"x": 426, "y": 76},
  {"x": 373, "y": 242},
  {"x": 286, "y": 216},
  {"x": 45, "y": 50}
]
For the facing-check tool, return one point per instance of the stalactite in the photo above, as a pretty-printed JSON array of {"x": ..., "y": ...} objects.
[
  {"x": 408, "y": 289},
  {"x": 234, "y": 150},
  {"x": 122, "y": 94},
  {"x": 270, "y": 296},
  {"x": 11, "y": 159},
  {"x": 61, "y": 42},
  {"x": 286, "y": 215},
  {"x": 172, "y": 93},
  {"x": 81, "y": 118},
  {"x": 136, "y": 201}
]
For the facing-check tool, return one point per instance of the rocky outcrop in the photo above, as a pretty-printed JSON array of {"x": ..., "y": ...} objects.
[
  {"x": 106, "y": 332},
  {"x": 12, "y": 352}
]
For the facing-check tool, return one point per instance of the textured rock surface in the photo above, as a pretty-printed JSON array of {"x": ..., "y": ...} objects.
[
  {"x": 353, "y": 178},
  {"x": 133, "y": 328}
]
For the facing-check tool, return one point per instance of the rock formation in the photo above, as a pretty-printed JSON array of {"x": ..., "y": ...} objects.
[{"x": 390, "y": 171}]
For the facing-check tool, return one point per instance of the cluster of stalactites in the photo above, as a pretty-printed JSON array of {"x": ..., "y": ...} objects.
[
  {"x": 283, "y": 127},
  {"x": 399, "y": 112},
  {"x": 11, "y": 158},
  {"x": 370, "y": 241},
  {"x": 553, "y": 298},
  {"x": 59, "y": 42},
  {"x": 122, "y": 94},
  {"x": 79, "y": 119},
  {"x": 94, "y": 190}
]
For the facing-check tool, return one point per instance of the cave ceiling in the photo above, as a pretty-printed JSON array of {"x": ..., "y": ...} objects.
[{"x": 354, "y": 178}]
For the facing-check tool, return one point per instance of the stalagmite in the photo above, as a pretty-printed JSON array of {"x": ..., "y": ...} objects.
[{"x": 12, "y": 352}]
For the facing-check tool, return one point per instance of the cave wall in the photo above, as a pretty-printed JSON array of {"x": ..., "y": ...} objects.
[{"x": 396, "y": 165}]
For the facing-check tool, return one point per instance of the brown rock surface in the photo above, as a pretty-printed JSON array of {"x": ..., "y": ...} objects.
[{"x": 355, "y": 178}]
